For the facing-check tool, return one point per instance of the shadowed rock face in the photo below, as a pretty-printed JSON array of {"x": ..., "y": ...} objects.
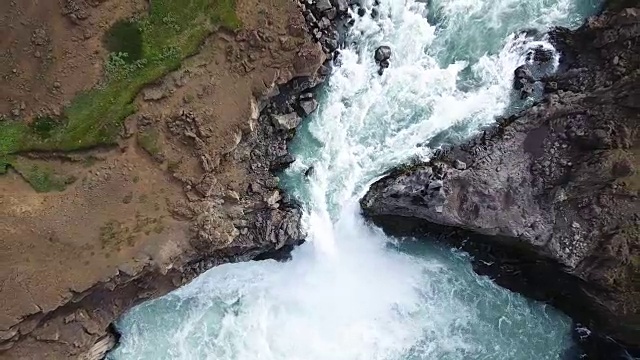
[{"x": 554, "y": 189}]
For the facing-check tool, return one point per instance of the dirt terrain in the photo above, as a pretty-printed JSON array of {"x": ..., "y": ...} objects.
[
  {"x": 51, "y": 50},
  {"x": 186, "y": 179}
]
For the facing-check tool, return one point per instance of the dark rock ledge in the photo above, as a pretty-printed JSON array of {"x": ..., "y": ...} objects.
[{"x": 547, "y": 200}]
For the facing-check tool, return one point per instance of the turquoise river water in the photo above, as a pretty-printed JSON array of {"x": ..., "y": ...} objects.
[{"x": 350, "y": 292}]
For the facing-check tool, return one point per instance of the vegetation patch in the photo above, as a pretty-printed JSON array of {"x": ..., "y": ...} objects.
[
  {"x": 149, "y": 140},
  {"x": 41, "y": 177},
  {"x": 114, "y": 233},
  {"x": 43, "y": 126},
  {"x": 125, "y": 37},
  {"x": 142, "y": 51}
]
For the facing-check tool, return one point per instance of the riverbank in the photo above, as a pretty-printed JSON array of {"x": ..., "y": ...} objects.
[
  {"x": 186, "y": 182},
  {"x": 547, "y": 201}
]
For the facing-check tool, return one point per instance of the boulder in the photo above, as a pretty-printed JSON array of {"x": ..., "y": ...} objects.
[
  {"x": 382, "y": 53},
  {"x": 541, "y": 55},
  {"x": 308, "y": 60},
  {"x": 282, "y": 162},
  {"x": 523, "y": 72},
  {"x": 323, "y": 5},
  {"x": 308, "y": 106},
  {"x": 309, "y": 172},
  {"x": 286, "y": 122},
  {"x": 341, "y": 5}
]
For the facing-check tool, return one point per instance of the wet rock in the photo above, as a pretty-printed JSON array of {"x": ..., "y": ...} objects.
[
  {"x": 308, "y": 106},
  {"x": 331, "y": 44},
  {"x": 523, "y": 81},
  {"x": 526, "y": 90},
  {"x": 309, "y": 172},
  {"x": 382, "y": 56},
  {"x": 382, "y": 53},
  {"x": 522, "y": 72},
  {"x": 542, "y": 55},
  {"x": 282, "y": 162}
]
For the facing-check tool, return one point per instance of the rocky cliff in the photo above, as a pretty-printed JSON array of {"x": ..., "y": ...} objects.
[
  {"x": 164, "y": 169},
  {"x": 547, "y": 200}
]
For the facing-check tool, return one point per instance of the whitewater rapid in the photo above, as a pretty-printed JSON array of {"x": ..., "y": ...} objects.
[{"x": 350, "y": 292}]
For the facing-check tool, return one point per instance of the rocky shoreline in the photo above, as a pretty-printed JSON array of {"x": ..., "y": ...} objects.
[
  {"x": 259, "y": 223},
  {"x": 547, "y": 200}
]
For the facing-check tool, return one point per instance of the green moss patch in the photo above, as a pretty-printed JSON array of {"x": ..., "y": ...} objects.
[{"x": 173, "y": 30}]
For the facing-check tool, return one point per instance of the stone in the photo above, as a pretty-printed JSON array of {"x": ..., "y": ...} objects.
[
  {"x": 324, "y": 23},
  {"x": 286, "y": 122},
  {"x": 232, "y": 196},
  {"x": 542, "y": 55},
  {"x": 526, "y": 90},
  {"x": 272, "y": 198},
  {"x": 154, "y": 94},
  {"x": 282, "y": 162},
  {"x": 522, "y": 72},
  {"x": 341, "y": 5},
  {"x": 331, "y": 43},
  {"x": 382, "y": 53},
  {"x": 308, "y": 106},
  {"x": 331, "y": 14},
  {"x": 459, "y": 165},
  {"x": 323, "y": 5},
  {"x": 309, "y": 172},
  {"x": 434, "y": 185}
]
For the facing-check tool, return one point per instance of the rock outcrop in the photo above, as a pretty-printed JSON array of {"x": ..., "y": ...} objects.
[{"x": 547, "y": 200}]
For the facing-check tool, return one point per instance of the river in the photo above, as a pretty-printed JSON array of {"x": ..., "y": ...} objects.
[{"x": 350, "y": 292}]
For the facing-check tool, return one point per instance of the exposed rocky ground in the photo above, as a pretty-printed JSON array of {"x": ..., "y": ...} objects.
[
  {"x": 547, "y": 201},
  {"x": 189, "y": 183}
]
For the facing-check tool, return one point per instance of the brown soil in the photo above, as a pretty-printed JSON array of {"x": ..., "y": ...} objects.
[
  {"x": 124, "y": 213},
  {"x": 51, "y": 50}
]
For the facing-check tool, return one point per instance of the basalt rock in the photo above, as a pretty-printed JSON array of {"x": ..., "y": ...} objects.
[
  {"x": 382, "y": 53},
  {"x": 382, "y": 56},
  {"x": 548, "y": 199}
]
